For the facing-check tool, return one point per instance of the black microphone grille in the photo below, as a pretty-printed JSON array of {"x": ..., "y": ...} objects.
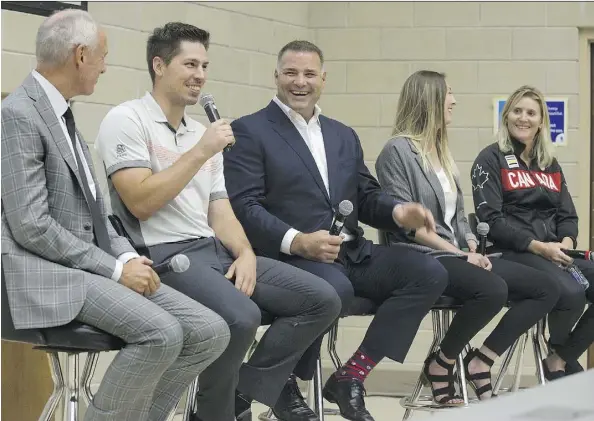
[
  {"x": 206, "y": 99},
  {"x": 482, "y": 228},
  {"x": 345, "y": 207}
]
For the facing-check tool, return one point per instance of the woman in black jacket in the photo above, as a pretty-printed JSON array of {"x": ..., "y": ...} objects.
[{"x": 519, "y": 189}]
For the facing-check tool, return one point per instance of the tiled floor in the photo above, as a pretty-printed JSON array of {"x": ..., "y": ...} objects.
[{"x": 382, "y": 409}]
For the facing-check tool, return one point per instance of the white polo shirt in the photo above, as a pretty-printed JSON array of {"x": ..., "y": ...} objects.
[{"x": 137, "y": 134}]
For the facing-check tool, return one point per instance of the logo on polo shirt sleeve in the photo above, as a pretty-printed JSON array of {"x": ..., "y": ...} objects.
[{"x": 121, "y": 151}]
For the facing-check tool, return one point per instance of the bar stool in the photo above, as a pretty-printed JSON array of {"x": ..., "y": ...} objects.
[{"x": 69, "y": 341}]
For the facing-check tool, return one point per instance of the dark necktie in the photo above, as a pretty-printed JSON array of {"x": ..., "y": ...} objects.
[{"x": 100, "y": 228}]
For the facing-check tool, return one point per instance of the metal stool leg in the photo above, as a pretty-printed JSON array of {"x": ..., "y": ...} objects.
[
  {"x": 190, "y": 407},
  {"x": 332, "y": 338},
  {"x": 519, "y": 363},
  {"x": 72, "y": 388},
  {"x": 505, "y": 365},
  {"x": 447, "y": 318},
  {"x": 318, "y": 399},
  {"x": 58, "y": 379},
  {"x": 87, "y": 376},
  {"x": 436, "y": 320},
  {"x": 538, "y": 356}
]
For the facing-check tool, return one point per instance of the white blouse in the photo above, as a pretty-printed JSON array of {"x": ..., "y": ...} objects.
[{"x": 451, "y": 198}]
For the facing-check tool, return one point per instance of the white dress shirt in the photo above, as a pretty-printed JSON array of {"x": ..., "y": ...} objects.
[
  {"x": 311, "y": 132},
  {"x": 60, "y": 106}
]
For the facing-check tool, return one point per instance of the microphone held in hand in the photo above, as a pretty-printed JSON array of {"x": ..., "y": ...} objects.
[
  {"x": 208, "y": 103},
  {"x": 482, "y": 229},
  {"x": 178, "y": 264},
  {"x": 344, "y": 209},
  {"x": 579, "y": 254}
]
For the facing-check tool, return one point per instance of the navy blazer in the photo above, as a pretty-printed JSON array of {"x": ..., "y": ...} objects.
[{"x": 274, "y": 184}]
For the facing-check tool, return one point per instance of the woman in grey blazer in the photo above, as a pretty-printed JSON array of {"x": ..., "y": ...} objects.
[{"x": 416, "y": 165}]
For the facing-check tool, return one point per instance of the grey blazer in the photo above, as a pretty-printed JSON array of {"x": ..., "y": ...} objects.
[
  {"x": 48, "y": 254},
  {"x": 400, "y": 172}
]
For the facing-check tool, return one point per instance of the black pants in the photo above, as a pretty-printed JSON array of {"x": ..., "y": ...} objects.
[
  {"x": 404, "y": 283},
  {"x": 304, "y": 305},
  {"x": 569, "y": 342},
  {"x": 484, "y": 294}
]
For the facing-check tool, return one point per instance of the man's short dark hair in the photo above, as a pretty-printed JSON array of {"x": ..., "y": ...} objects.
[
  {"x": 301, "y": 46},
  {"x": 164, "y": 42}
]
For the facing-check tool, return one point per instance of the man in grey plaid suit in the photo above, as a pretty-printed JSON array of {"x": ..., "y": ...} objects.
[{"x": 61, "y": 258}]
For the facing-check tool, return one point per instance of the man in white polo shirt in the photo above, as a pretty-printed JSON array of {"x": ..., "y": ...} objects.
[{"x": 165, "y": 173}]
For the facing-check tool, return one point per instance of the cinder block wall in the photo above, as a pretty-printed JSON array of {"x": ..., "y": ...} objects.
[{"x": 487, "y": 49}]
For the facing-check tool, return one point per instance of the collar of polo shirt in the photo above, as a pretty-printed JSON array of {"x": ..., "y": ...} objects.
[{"x": 159, "y": 116}]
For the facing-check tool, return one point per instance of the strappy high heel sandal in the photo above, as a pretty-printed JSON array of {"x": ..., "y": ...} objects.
[
  {"x": 471, "y": 378},
  {"x": 448, "y": 393}
]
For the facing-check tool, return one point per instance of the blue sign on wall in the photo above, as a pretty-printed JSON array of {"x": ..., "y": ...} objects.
[{"x": 558, "y": 117}]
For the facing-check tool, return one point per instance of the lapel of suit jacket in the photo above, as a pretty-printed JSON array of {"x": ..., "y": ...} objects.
[
  {"x": 332, "y": 146},
  {"x": 285, "y": 128},
  {"x": 431, "y": 178},
  {"x": 46, "y": 111}
]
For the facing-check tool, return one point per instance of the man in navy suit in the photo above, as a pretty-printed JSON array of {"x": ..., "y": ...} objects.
[{"x": 286, "y": 175}]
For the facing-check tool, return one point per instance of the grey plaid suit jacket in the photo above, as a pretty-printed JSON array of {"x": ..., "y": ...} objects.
[{"x": 48, "y": 253}]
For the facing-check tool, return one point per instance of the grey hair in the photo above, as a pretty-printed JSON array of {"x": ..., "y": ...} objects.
[{"x": 61, "y": 32}]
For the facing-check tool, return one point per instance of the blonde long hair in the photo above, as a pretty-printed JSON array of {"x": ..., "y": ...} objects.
[
  {"x": 420, "y": 117},
  {"x": 542, "y": 149}
]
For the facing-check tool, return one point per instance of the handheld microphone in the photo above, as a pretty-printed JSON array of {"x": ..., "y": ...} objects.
[
  {"x": 344, "y": 209},
  {"x": 482, "y": 229},
  {"x": 178, "y": 264},
  {"x": 208, "y": 103},
  {"x": 579, "y": 254}
]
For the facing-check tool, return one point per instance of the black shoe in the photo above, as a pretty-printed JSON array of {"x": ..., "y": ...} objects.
[
  {"x": 291, "y": 406},
  {"x": 551, "y": 375},
  {"x": 573, "y": 367},
  {"x": 243, "y": 407},
  {"x": 348, "y": 395}
]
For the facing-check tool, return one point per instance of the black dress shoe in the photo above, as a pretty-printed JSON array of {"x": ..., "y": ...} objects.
[
  {"x": 348, "y": 395},
  {"x": 243, "y": 407},
  {"x": 291, "y": 406}
]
